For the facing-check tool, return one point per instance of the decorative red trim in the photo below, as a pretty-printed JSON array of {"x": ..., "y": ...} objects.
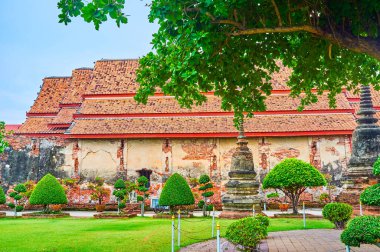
[
  {"x": 210, "y": 135},
  {"x": 279, "y": 112},
  {"x": 41, "y": 114},
  {"x": 353, "y": 99},
  {"x": 70, "y": 105},
  {"x": 59, "y": 125},
  {"x": 128, "y": 95},
  {"x": 376, "y": 107},
  {"x": 60, "y": 135}
]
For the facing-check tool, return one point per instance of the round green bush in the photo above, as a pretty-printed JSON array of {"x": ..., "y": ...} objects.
[
  {"x": 203, "y": 179},
  {"x": 119, "y": 184},
  {"x": 176, "y": 192},
  {"x": 337, "y": 213},
  {"x": 20, "y": 188},
  {"x": 201, "y": 203},
  {"x": 11, "y": 205},
  {"x": 371, "y": 196},
  {"x": 210, "y": 207},
  {"x": 122, "y": 205},
  {"x": 48, "y": 191},
  {"x": 140, "y": 198},
  {"x": 264, "y": 220},
  {"x": 19, "y": 208},
  {"x": 293, "y": 176},
  {"x": 2, "y": 196},
  {"x": 247, "y": 232},
  {"x": 361, "y": 230},
  {"x": 376, "y": 167}
]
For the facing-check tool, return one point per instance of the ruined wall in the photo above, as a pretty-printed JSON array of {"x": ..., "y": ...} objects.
[{"x": 30, "y": 159}]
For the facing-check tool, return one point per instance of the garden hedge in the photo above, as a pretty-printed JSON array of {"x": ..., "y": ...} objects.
[
  {"x": 337, "y": 213},
  {"x": 48, "y": 191},
  {"x": 371, "y": 196},
  {"x": 362, "y": 230},
  {"x": 176, "y": 192},
  {"x": 248, "y": 232},
  {"x": 2, "y": 196}
]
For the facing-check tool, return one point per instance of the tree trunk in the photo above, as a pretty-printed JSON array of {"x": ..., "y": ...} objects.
[
  {"x": 15, "y": 208},
  {"x": 142, "y": 207},
  {"x": 204, "y": 207},
  {"x": 118, "y": 208},
  {"x": 294, "y": 203}
]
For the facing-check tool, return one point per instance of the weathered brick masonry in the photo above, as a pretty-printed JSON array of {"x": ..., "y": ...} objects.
[{"x": 89, "y": 125}]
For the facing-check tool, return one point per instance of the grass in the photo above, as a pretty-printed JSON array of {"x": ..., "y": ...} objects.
[{"x": 136, "y": 234}]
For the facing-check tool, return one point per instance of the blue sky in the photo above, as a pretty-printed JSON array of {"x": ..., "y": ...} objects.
[{"x": 33, "y": 45}]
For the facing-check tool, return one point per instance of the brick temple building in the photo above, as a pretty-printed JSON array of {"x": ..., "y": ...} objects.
[{"x": 89, "y": 125}]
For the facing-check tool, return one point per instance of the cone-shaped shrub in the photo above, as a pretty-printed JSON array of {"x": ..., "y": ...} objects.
[
  {"x": 2, "y": 196},
  {"x": 176, "y": 192},
  {"x": 48, "y": 191}
]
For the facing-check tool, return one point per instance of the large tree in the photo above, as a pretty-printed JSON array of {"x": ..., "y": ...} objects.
[{"x": 232, "y": 47}]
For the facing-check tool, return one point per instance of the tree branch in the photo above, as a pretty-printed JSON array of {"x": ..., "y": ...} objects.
[
  {"x": 277, "y": 13},
  {"x": 362, "y": 45}
]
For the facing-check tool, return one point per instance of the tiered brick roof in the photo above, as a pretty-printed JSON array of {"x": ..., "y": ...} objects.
[
  {"x": 52, "y": 92},
  {"x": 80, "y": 84},
  {"x": 99, "y": 103}
]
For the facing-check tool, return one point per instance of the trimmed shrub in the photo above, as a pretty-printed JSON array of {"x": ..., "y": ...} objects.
[
  {"x": 2, "y": 196},
  {"x": 371, "y": 196},
  {"x": 376, "y": 167},
  {"x": 362, "y": 230},
  {"x": 17, "y": 195},
  {"x": 142, "y": 187},
  {"x": 248, "y": 232},
  {"x": 48, "y": 191},
  {"x": 292, "y": 176},
  {"x": 337, "y": 213},
  {"x": 120, "y": 192},
  {"x": 205, "y": 188},
  {"x": 176, "y": 192}
]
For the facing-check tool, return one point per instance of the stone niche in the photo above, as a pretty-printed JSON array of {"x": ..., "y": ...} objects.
[{"x": 242, "y": 189}]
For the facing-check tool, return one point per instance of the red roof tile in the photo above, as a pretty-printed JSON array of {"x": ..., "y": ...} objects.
[
  {"x": 222, "y": 124},
  {"x": 80, "y": 83},
  {"x": 65, "y": 116},
  {"x": 51, "y": 94}
]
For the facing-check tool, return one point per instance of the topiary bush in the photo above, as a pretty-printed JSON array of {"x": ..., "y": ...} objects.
[
  {"x": 48, "y": 191},
  {"x": 205, "y": 187},
  {"x": 371, "y": 196},
  {"x": 142, "y": 187},
  {"x": 2, "y": 196},
  {"x": 337, "y": 213},
  {"x": 362, "y": 230},
  {"x": 16, "y": 194},
  {"x": 120, "y": 191},
  {"x": 176, "y": 192},
  {"x": 292, "y": 176},
  {"x": 248, "y": 232}
]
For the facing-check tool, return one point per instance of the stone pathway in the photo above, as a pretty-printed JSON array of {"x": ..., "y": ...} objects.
[{"x": 317, "y": 240}]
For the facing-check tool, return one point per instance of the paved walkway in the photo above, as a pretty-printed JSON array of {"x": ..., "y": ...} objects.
[{"x": 316, "y": 240}]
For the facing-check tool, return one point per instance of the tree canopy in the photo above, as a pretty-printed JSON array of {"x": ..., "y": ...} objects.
[
  {"x": 292, "y": 176},
  {"x": 233, "y": 47}
]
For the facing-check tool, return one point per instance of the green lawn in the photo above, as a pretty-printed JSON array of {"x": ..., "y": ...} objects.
[{"x": 136, "y": 234}]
